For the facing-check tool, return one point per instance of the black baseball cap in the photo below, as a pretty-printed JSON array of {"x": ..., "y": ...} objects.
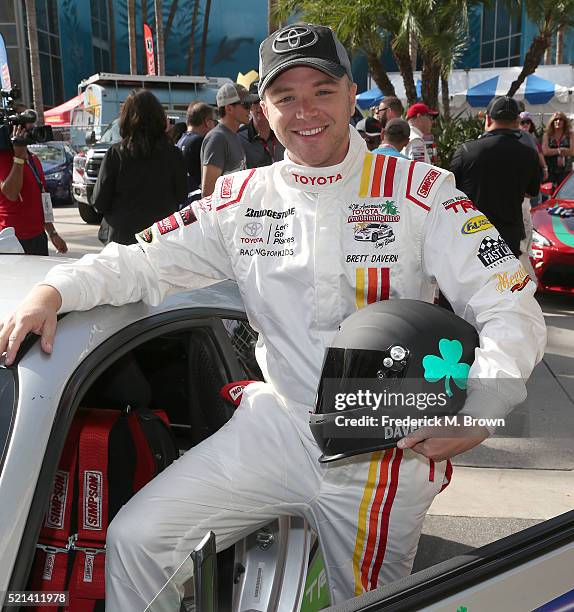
[
  {"x": 302, "y": 44},
  {"x": 503, "y": 108},
  {"x": 370, "y": 126}
]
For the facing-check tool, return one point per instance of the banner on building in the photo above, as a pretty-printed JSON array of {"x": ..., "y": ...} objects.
[
  {"x": 4, "y": 72},
  {"x": 150, "y": 59}
]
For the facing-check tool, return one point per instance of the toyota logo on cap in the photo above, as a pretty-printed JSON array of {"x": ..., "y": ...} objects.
[{"x": 295, "y": 37}]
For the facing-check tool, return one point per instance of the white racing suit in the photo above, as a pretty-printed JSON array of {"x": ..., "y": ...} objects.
[{"x": 307, "y": 247}]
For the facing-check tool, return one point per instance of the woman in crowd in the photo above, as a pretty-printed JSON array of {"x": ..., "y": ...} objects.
[
  {"x": 142, "y": 178},
  {"x": 558, "y": 147}
]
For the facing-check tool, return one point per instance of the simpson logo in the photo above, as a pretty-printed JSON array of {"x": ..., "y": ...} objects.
[
  {"x": 48, "y": 566},
  {"x": 167, "y": 225},
  {"x": 146, "y": 235},
  {"x": 57, "y": 504},
  {"x": 93, "y": 494},
  {"x": 317, "y": 180},
  {"x": 493, "y": 251},
  {"x": 476, "y": 224},
  {"x": 427, "y": 183},
  {"x": 187, "y": 216},
  {"x": 464, "y": 204},
  {"x": 88, "y": 568},
  {"x": 226, "y": 185}
]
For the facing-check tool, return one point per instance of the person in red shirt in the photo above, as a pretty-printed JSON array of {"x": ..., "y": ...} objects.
[{"x": 21, "y": 199}]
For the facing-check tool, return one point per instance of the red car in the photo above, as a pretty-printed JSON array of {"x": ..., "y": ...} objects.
[{"x": 552, "y": 253}]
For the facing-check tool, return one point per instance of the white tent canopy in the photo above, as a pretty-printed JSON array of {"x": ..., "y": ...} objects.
[{"x": 550, "y": 89}]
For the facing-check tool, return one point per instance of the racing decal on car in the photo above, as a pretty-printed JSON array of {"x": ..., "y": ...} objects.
[
  {"x": 377, "y": 258},
  {"x": 369, "y": 212},
  {"x": 426, "y": 184},
  {"x": 563, "y": 229},
  {"x": 187, "y": 215},
  {"x": 167, "y": 225},
  {"x": 383, "y": 175},
  {"x": 146, "y": 235},
  {"x": 49, "y": 566},
  {"x": 476, "y": 224},
  {"x": 371, "y": 285},
  {"x": 511, "y": 282},
  {"x": 379, "y": 233},
  {"x": 493, "y": 251},
  {"x": 226, "y": 185},
  {"x": 461, "y": 203},
  {"x": 57, "y": 503},
  {"x": 93, "y": 495}
]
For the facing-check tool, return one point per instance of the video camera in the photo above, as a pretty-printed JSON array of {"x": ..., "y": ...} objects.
[{"x": 9, "y": 118}]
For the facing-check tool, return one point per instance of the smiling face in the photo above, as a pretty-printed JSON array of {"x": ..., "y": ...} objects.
[{"x": 309, "y": 112}]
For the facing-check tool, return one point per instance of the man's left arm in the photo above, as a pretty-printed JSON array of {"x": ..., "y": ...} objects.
[
  {"x": 487, "y": 286},
  {"x": 533, "y": 187}
]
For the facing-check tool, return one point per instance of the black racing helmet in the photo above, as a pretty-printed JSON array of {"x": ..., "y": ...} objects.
[{"x": 393, "y": 365}]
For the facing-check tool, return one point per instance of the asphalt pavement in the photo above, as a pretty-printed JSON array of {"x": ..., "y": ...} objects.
[{"x": 507, "y": 483}]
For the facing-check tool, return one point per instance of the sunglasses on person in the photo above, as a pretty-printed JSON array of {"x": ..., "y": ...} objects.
[
  {"x": 246, "y": 105},
  {"x": 526, "y": 122}
]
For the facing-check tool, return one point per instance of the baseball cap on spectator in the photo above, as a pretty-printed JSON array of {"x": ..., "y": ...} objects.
[
  {"x": 525, "y": 116},
  {"x": 254, "y": 90},
  {"x": 503, "y": 108},
  {"x": 369, "y": 126},
  {"x": 231, "y": 93},
  {"x": 420, "y": 108},
  {"x": 302, "y": 44}
]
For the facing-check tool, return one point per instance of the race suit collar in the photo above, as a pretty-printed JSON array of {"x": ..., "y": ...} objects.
[{"x": 318, "y": 180}]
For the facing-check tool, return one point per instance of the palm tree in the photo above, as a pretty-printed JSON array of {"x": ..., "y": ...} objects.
[
  {"x": 132, "y": 36},
  {"x": 170, "y": 18},
  {"x": 357, "y": 24},
  {"x": 191, "y": 51},
  {"x": 112, "y": 40},
  {"x": 159, "y": 36},
  {"x": 204, "y": 37},
  {"x": 37, "y": 94},
  {"x": 549, "y": 16}
]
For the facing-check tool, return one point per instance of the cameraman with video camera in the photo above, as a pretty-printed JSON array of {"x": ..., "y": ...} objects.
[{"x": 23, "y": 196}]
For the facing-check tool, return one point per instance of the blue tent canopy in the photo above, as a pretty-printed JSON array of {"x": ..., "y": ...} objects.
[
  {"x": 373, "y": 96},
  {"x": 481, "y": 94},
  {"x": 535, "y": 90},
  {"x": 538, "y": 91},
  {"x": 369, "y": 98}
]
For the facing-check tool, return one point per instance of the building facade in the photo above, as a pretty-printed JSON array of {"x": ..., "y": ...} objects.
[{"x": 78, "y": 38}]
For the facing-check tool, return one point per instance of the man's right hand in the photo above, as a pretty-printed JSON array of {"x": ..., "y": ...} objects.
[
  {"x": 21, "y": 151},
  {"x": 36, "y": 314}
]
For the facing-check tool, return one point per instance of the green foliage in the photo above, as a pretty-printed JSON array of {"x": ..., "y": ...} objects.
[{"x": 450, "y": 132}]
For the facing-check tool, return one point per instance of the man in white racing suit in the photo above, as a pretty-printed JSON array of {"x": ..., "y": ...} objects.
[{"x": 309, "y": 240}]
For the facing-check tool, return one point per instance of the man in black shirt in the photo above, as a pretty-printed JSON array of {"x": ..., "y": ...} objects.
[
  {"x": 200, "y": 120},
  {"x": 497, "y": 171}
]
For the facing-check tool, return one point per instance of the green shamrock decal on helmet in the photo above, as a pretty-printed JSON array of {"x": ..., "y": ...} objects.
[{"x": 447, "y": 366}]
